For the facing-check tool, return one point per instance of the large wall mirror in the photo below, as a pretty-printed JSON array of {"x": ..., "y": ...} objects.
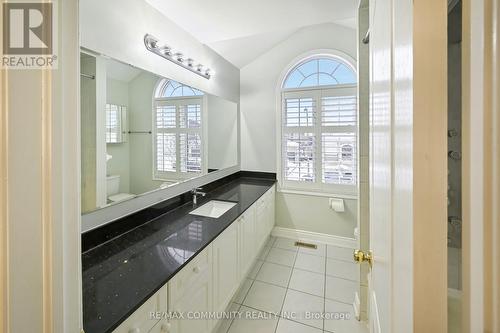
[{"x": 141, "y": 132}]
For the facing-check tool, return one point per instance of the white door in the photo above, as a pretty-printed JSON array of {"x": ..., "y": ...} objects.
[
  {"x": 379, "y": 280},
  {"x": 391, "y": 184}
]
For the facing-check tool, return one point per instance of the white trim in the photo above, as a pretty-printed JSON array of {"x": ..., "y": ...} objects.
[
  {"x": 357, "y": 306},
  {"x": 311, "y": 236},
  {"x": 319, "y": 194}
]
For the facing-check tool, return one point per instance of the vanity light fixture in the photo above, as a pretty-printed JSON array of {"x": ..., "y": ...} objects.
[{"x": 164, "y": 51}]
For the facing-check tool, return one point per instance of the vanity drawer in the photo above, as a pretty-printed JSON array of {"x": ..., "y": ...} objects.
[
  {"x": 141, "y": 321},
  {"x": 198, "y": 268}
]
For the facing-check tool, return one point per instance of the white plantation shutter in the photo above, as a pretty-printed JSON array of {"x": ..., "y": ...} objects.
[
  {"x": 166, "y": 159},
  {"x": 339, "y": 136},
  {"x": 178, "y": 137},
  {"x": 190, "y": 152},
  {"x": 113, "y": 123},
  {"x": 319, "y": 139}
]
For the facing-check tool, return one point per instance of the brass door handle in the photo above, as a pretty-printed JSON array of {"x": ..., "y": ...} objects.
[{"x": 360, "y": 256}]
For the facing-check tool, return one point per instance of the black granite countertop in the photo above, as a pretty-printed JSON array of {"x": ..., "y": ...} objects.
[{"x": 122, "y": 273}]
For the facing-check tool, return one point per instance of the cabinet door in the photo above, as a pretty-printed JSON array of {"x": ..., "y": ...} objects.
[
  {"x": 225, "y": 267},
  {"x": 261, "y": 221},
  {"x": 271, "y": 206},
  {"x": 190, "y": 294},
  {"x": 196, "y": 302},
  {"x": 247, "y": 240}
]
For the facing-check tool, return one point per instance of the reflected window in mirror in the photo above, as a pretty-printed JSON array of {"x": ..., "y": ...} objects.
[
  {"x": 114, "y": 122},
  {"x": 178, "y": 131}
]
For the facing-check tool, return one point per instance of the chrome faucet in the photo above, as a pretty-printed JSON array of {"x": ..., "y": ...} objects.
[{"x": 195, "y": 192}]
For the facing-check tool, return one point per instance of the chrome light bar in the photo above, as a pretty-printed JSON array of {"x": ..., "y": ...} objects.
[{"x": 164, "y": 51}]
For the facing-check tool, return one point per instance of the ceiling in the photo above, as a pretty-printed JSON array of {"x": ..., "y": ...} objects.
[
  {"x": 120, "y": 71},
  {"x": 240, "y": 31}
]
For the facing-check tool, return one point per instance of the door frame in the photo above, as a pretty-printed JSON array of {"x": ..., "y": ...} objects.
[
  {"x": 40, "y": 254},
  {"x": 481, "y": 172},
  {"x": 430, "y": 158}
]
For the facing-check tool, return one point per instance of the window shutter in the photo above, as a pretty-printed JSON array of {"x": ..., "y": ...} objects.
[
  {"x": 300, "y": 157},
  {"x": 339, "y": 158},
  {"x": 166, "y": 116},
  {"x": 319, "y": 139},
  {"x": 166, "y": 160},
  {"x": 339, "y": 137},
  {"x": 190, "y": 152},
  {"x": 338, "y": 111},
  {"x": 299, "y": 138},
  {"x": 178, "y": 134},
  {"x": 190, "y": 116},
  {"x": 113, "y": 123}
]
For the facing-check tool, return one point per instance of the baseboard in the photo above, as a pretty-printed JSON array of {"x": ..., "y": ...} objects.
[{"x": 315, "y": 237}]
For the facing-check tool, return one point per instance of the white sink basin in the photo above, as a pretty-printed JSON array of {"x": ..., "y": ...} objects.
[{"x": 213, "y": 208}]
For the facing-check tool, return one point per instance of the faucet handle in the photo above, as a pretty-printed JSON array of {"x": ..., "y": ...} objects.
[{"x": 197, "y": 190}]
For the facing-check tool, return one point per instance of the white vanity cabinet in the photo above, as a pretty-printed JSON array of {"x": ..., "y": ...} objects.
[
  {"x": 141, "y": 321},
  {"x": 226, "y": 278},
  {"x": 270, "y": 210},
  {"x": 264, "y": 217},
  {"x": 210, "y": 280},
  {"x": 190, "y": 294},
  {"x": 247, "y": 240}
]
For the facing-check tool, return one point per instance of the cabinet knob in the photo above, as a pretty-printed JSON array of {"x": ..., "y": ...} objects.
[
  {"x": 196, "y": 269},
  {"x": 134, "y": 330},
  {"x": 165, "y": 327}
]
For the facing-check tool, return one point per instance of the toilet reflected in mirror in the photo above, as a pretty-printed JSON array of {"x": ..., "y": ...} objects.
[{"x": 113, "y": 190}]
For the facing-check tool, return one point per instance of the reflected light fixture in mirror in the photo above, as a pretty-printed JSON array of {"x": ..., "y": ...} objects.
[{"x": 152, "y": 44}]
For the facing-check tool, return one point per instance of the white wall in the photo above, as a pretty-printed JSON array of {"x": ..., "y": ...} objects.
[
  {"x": 259, "y": 80},
  {"x": 222, "y": 133},
  {"x": 116, "y": 28},
  {"x": 117, "y": 93},
  {"x": 141, "y": 146}
]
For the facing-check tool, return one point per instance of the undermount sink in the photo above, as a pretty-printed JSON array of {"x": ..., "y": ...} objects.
[{"x": 213, "y": 208}]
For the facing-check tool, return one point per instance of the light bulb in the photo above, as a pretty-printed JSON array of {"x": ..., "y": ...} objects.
[{"x": 166, "y": 50}]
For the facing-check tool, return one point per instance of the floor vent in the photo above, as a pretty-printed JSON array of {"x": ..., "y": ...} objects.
[{"x": 308, "y": 245}]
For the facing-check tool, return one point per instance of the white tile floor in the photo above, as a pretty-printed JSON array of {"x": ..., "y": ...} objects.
[{"x": 291, "y": 289}]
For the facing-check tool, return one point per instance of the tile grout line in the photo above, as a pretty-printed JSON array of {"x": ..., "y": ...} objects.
[
  {"x": 281, "y": 317},
  {"x": 232, "y": 320},
  {"x": 324, "y": 288},
  {"x": 287, "y": 288},
  {"x": 251, "y": 284}
]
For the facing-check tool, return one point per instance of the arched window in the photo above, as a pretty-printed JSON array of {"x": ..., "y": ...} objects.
[
  {"x": 178, "y": 130},
  {"x": 319, "y": 126},
  {"x": 320, "y": 72},
  {"x": 169, "y": 88}
]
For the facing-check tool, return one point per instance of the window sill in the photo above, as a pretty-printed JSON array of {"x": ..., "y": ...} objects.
[{"x": 320, "y": 194}]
